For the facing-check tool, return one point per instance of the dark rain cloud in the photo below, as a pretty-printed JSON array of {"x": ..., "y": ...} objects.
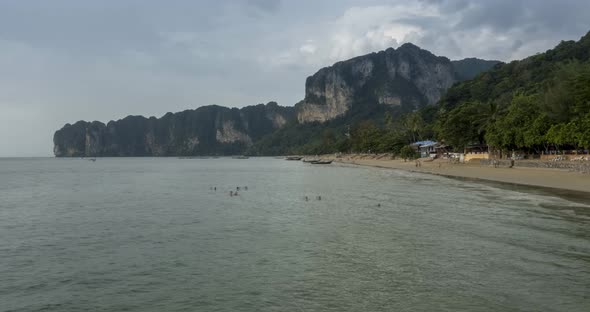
[{"x": 66, "y": 60}]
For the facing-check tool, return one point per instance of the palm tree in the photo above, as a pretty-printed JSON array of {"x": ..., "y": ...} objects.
[
  {"x": 413, "y": 125},
  {"x": 487, "y": 115}
]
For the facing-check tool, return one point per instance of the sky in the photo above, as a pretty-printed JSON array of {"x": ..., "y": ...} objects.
[{"x": 67, "y": 60}]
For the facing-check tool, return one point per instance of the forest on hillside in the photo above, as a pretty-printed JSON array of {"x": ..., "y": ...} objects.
[
  {"x": 531, "y": 105},
  {"x": 534, "y": 105}
]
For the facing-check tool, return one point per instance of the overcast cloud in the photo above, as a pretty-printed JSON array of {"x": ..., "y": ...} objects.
[{"x": 68, "y": 60}]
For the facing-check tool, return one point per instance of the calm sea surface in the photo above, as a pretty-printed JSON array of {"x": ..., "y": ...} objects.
[{"x": 148, "y": 234}]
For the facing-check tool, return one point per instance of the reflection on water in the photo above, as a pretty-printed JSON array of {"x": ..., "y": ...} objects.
[{"x": 150, "y": 235}]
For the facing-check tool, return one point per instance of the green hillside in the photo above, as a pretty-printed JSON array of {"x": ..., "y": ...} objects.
[{"x": 540, "y": 102}]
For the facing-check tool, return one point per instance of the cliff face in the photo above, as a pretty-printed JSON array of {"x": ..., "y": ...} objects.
[
  {"x": 407, "y": 76},
  {"x": 208, "y": 130},
  {"x": 394, "y": 80}
]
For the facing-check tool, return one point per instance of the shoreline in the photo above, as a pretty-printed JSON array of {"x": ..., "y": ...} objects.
[{"x": 553, "y": 180}]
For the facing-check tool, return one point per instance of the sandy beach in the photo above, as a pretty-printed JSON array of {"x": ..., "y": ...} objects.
[{"x": 538, "y": 177}]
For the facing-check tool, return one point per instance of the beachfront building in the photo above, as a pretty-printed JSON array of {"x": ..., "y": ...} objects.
[
  {"x": 476, "y": 152},
  {"x": 426, "y": 148},
  {"x": 446, "y": 152}
]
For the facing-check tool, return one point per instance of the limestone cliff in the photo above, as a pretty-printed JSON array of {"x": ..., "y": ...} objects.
[
  {"x": 407, "y": 76},
  {"x": 391, "y": 81},
  {"x": 207, "y": 130}
]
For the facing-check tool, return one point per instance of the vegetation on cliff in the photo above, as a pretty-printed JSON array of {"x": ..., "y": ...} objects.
[
  {"x": 207, "y": 130},
  {"x": 531, "y": 105},
  {"x": 390, "y": 83},
  {"x": 383, "y": 90},
  {"x": 526, "y": 105},
  {"x": 409, "y": 77}
]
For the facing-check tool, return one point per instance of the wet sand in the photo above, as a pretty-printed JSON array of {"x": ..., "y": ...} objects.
[{"x": 538, "y": 177}]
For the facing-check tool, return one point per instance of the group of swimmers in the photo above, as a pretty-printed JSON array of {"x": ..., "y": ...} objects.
[
  {"x": 231, "y": 193},
  {"x": 235, "y": 193}
]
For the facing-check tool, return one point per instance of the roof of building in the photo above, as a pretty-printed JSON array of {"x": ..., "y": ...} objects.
[
  {"x": 429, "y": 145},
  {"x": 424, "y": 143}
]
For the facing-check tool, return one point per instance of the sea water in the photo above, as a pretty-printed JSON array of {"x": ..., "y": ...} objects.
[{"x": 153, "y": 234}]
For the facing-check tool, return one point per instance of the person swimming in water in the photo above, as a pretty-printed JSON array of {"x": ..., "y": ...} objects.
[
  {"x": 306, "y": 198},
  {"x": 246, "y": 187},
  {"x": 231, "y": 193},
  {"x": 319, "y": 197}
]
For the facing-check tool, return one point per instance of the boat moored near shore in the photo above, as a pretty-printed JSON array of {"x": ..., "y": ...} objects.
[
  {"x": 321, "y": 162},
  {"x": 293, "y": 158}
]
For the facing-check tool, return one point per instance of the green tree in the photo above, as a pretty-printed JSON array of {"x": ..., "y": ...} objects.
[
  {"x": 413, "y": 124},
  {"x": 584, "y": 132},
  {"x": 408, "y": 152},
  {"x": 535, "y": 134},
  {"x": 366, "y": 137},
  {"x": 580, "y": 87},
  {"x": 509, "y": 130},
  {"x": 560, "y": 134},
  {"x": 459, "y": 127},
  {"x": 558, "y": 99}
]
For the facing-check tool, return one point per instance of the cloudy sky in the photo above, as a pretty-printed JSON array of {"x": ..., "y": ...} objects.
[{"x": 67, "y": 60}]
